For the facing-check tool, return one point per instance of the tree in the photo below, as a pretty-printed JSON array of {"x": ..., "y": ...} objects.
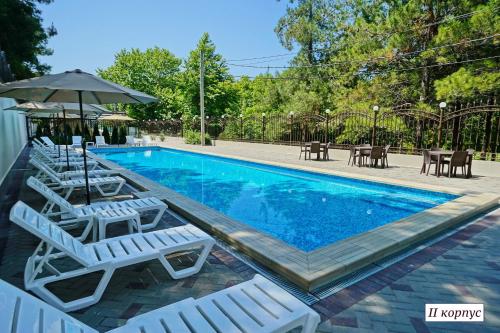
[
  {"x": 23, "y": 37},
  {"x": 95, "y": 131},
  {"x": 154, "y": 72},
  {"x": 78, "y": 131},
  {"x": 114, "y": 136},
  {"x": 123, "y": 135},
  {"x": 220, "y": 93},
  {"x": 86, "y": 133},
  {"x": 105, "y": 134}
]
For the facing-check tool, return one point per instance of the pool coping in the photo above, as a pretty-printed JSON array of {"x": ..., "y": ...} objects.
[{"x": 314, "y": 269}]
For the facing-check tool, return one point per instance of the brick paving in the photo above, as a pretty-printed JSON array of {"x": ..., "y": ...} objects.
[{"x": 463, "y": 268}]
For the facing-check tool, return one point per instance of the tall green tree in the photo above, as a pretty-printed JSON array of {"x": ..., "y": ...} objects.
[
  {"x": 23, "y": 37},
  {"x": 155, "y": 72},
  {"x": 220, "y": 93}
]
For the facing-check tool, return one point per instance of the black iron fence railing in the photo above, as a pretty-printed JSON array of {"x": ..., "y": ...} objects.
[{"x": 407, "y": 129}]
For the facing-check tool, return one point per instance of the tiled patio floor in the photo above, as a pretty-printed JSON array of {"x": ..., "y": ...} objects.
[{"x": 464, "y": 268}]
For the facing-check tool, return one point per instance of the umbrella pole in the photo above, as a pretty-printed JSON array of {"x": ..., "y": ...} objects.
[
  {"x": 58, "y": 143},
  {"x": 84, "y": 150},
  {"x": 66, "y": 138}
]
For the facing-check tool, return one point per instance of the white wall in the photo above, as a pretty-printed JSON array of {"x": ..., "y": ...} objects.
[{"x": 13, "y": 135}]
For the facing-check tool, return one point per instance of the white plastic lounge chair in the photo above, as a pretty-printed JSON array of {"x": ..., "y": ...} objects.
[
  {"x": 27, "y": 313},
  {"x": 146, "y": 140},
  {"x": 72, "y": 215},
  {"x": 255, "y": 306},
  {"x": 78, "y": 173},
  {"x": 77, "y": 141},
  {"x": 106, "y": 255},
  {"x": 69, "y": 185},
  {"x": 21, "y": 312},
  {"x": 48, "y": 143},
  {"x": 55, "y": 152},
  {"x": 99, "y": 141},
  {"x": 59, "y": 164},
  {"x": 131, "y": 140}
]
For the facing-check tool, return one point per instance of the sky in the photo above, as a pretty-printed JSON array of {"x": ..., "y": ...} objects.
[{"x": 91, "y": 32}]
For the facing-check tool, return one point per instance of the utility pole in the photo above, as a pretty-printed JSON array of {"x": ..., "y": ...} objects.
[{"x": 202, "y": 96}]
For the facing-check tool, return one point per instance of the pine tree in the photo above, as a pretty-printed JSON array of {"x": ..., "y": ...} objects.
[
  {"x": 105, "y": 134},
  {"x": 114, "y": 136}
]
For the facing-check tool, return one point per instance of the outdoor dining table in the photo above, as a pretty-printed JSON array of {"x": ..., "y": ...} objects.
[
  {"x": 360, "y": 149},
  {"x": 448, "y": 153},
  {"x": 321, "y": 145}
]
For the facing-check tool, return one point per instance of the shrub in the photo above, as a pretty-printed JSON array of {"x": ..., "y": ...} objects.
[
  {"x": 114, "y": 136},
  {"x": 86, "y": 133},
  {"x": 123, "y": 134},
  {"x": 78, "y": 131},
  {"x": 69, "y": 134},
  {"x": 39, "y": 132},
  {"x": 105, "y": 134},
  {"x": 95, "y": 131},
  {"x": 194, "y": 138}
]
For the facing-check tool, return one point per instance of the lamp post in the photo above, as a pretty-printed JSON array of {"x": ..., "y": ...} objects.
[
  {"x": 241, "y": 126},
  {"x": 327, "y": 111},
  {"x": 442, "y": 106},
  {"x": 374, "y": 131},
  {"x": 263, "y": 125}
]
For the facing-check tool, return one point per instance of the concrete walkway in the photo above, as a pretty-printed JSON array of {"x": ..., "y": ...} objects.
[{"x": 486, "y": 174}]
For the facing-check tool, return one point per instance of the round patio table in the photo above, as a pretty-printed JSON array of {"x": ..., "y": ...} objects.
[
  {"x": 448, "y": 153},
  {"x": 361, "y": 149},
  {"x": 321, "y": 145}
]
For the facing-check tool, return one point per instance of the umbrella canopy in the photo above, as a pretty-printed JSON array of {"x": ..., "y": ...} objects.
[
  {"x": 117, "y": 117},
  {"x": 52, "y": 107},
  {"x": 73, "y": 87},
  {"x": 43, "y": 114},
  {"x": 63, "y": 87}
]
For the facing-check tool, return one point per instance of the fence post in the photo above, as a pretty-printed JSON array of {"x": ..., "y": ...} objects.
[
  {"x": 291, "y": 127},
  {"x": 442, "y": 105},
  {"x": 263, "y": 125},
  {"x": 241, "y": 126},
  {"x": 374, "y": 131},
  {"x": 327, "y": 120}
]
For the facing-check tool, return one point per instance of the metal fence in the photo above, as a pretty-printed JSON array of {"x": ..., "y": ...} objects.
[{"x": 406, "y": 128}]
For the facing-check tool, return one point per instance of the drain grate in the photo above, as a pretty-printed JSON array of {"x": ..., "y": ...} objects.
[{"x": 310, "y": 298}]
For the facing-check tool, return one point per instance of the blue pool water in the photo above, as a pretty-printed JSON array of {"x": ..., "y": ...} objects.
[{"x": 304, "y": 209}]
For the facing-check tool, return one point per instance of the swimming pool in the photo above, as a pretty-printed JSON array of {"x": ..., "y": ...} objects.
[{"x": 304, "y": 209}]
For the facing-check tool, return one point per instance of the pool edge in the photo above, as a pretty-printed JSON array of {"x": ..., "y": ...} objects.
[{"x": 312, "y": 270}]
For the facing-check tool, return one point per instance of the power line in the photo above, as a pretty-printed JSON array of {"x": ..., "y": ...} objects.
[
  {"x": 369, "y": 72},
  {"x": 265, "y": 57},
  {"x": 461, "y": 16},
  {"x": 370, "y": 60}
]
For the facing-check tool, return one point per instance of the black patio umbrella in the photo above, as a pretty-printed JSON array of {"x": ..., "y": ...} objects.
[
  {"x": 74, "y": 87},
  {"x": 61, "y": 110}
]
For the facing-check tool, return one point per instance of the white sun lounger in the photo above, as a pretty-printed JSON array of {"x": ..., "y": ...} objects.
[
  {"x": 77, "y": 173},
  {"x": 77, "y": 141},
  {"x": 106, "y": 255},
  {"x": 72, "y": 215},
  {"x": 278, "y": 310},
  {"x": 69, "y": 185},
  {"x": 58, "y": 164},
  {"x": 48, "y": 143},
  {"x": 99, "y": 141},
  {"x": 255, "y": 306},
  {"x": 56, "y": 151}
]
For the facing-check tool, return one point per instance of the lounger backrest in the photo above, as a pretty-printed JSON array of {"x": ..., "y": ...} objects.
[
  {"x": 146, "y": 139},
  {"x": 42, "y": 167},
  {"x": 130, "y": 139},
  {"x": 40, "y": 226},
  {"x": 47, "y": 141},
  {"x": 99, "y": 140},
  {"x": 21, "y": 312},
  {"x": 77, "y": 140},
  {"x": 50, "y": 195}
]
